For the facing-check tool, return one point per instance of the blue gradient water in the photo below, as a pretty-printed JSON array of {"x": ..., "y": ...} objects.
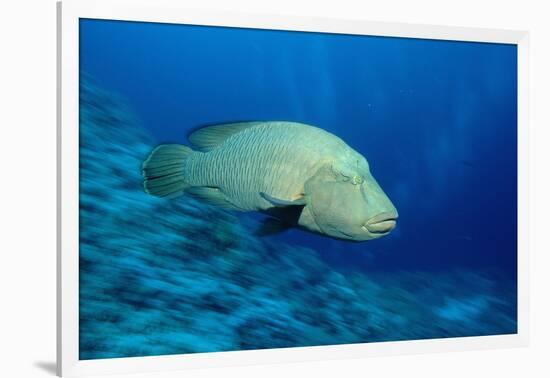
[{"x": 436, "y": 120}]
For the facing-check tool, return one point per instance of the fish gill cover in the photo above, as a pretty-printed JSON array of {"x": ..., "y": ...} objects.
[{"x": 169, "y": 277}]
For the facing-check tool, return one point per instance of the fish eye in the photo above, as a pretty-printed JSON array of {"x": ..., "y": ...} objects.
[
  {"x": 354, "y": 179},
  {"x": 357, "y": 180},
  {"x": 344, "y": 174}
]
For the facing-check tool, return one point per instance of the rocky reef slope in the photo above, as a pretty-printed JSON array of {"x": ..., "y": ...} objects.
[{"x": 178, "y": 276}]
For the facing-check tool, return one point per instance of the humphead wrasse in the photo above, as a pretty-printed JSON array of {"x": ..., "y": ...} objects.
[{"x": 300, "y": 175}]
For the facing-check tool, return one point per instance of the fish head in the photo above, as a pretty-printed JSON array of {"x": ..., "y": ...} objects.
[{"x": 346, "y": 202}]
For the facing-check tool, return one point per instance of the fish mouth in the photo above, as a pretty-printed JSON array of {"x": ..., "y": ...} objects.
[{"x": 381, "y": 223}]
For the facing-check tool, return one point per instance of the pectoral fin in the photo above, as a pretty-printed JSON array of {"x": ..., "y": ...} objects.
[
  {"x": 281, "y": 202},
  {"x": 281, "y": 218}
]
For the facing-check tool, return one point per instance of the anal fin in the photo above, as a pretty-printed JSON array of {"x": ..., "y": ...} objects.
[{"x": 211, "y": 195}]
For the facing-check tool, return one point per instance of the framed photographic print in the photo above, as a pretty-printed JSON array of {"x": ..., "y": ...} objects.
[{"x": 253, "y": 188}]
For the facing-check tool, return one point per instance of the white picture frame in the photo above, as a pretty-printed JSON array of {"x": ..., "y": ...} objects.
[{"x": 169, "y": 11}]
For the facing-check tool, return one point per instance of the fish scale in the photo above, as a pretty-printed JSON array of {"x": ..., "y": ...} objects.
[{"x": 254, "y": 161}]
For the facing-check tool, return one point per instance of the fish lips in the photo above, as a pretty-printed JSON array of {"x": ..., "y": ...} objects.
[{"x": 382, "y": 223}]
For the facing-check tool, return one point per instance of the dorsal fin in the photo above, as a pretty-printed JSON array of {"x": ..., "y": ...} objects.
[{"x": 209, "y": 137}]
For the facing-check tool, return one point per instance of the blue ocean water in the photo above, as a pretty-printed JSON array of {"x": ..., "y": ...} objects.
[{"x": 437, "y": 121}]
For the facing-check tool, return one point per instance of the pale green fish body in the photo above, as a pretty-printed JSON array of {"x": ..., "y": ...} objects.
[
  {"x": 279, "y": 166},
  {"x": 275, "y": 158}
]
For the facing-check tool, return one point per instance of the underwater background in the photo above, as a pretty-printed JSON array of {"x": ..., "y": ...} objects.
[{"x": 436, "y": 120}]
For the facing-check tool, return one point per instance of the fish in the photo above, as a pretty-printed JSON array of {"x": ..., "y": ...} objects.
[{"x": 297, "y": 174}]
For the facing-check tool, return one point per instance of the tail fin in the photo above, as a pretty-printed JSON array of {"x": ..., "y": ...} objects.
[{"x": 163, "y": 171}]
